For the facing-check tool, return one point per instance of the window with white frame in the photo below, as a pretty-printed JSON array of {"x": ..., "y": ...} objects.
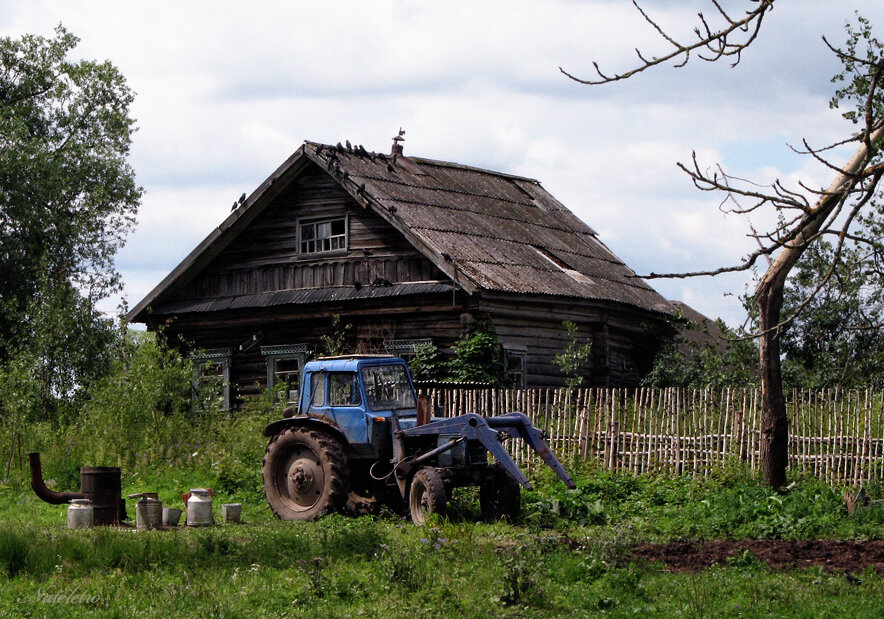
[
  {"x": 322, "y": 235},
  {"x": 284, "y": 365},
  {"x": 210, "y": 387}
]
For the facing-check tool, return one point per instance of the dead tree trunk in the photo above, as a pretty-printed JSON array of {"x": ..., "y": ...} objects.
[
  {"x": 774, "y": 421},
  {"x": 769, "y": 299}
]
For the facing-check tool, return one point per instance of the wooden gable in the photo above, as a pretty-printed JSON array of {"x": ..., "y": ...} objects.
[{"x": 265, "y": 256}]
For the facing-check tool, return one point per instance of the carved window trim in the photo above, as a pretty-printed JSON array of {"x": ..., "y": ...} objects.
[
  {"x": 212, "y": 362},
  {"x": 275, "y": 356}
]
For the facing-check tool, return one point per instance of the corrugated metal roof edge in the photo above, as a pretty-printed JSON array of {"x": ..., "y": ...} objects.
[{"x": 305, "y": 296}]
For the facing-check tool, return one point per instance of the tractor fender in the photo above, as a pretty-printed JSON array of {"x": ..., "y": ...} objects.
[{"x": 322, "y": 424}]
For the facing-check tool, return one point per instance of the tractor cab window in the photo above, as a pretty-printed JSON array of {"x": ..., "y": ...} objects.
[
  {"x": 387, "y": 386},
  {"x": 317, "y": 388},
  {"x": 343, "y": 389}
]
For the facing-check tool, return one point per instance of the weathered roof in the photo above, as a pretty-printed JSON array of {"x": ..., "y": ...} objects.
[{"x": 486, "y": 230}]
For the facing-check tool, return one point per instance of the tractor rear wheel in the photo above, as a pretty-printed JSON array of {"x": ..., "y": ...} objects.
[
  {"x": 305, "y": 474},
  {"x": 500, "y": 497},
  {"x": 427, "y": 495}
]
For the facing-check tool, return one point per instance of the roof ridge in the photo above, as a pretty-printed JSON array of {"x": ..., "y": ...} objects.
[{"x": 441, "y": 164}]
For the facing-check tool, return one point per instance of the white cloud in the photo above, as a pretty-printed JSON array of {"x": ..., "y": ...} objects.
[{"x": 226, "y": 91}]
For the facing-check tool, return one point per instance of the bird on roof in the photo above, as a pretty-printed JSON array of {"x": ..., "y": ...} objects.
[
  {"x": 349, "y": 146},
  {"x": 319, "y": 149},
  {"x": 389, "y": 168},
  {"x": 242, "y": 198},
  {"x": 340, "y": 147},
  {"x": 233, "y": 208},
  {"x": 361, "y": 188}
]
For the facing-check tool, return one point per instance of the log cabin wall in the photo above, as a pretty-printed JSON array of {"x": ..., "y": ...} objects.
[
  {"x": 369, "y": 328},
  {"x": 622, "y": 349}
]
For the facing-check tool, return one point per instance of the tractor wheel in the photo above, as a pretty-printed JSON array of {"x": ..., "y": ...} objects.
[
  {"x": 305, "y": 474},
  {"x": 427, "y": 495},
  {"x": 500, "y": 497}
]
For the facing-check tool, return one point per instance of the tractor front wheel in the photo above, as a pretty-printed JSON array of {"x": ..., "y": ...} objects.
[
  {"x": 305, "y": 474},
  {"x": 427, "y": 495}
]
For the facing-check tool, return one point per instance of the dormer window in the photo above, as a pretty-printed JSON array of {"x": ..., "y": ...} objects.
[{"x": 323, "y": 235}]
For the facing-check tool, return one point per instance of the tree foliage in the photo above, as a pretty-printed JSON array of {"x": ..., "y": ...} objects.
[
  {"x": 574, "y": 358},
  {"x": 722, "y": 359},
  {"x": 68, "y": 198},
  {"x": 836, "y": 341},
  {"x": 478, "y": 357}
]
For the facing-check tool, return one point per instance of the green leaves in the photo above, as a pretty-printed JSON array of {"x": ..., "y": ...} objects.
[
  {"x": 861, "y": 59},
  {"x": 67, "y": 194},
  {"x": 574, "y": 358}
]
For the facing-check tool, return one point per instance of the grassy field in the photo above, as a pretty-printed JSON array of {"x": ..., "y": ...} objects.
[{"x": 569, "y": 557}]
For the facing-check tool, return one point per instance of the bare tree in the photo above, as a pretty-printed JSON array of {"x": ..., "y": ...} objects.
[{"x": 805, "y": 215}]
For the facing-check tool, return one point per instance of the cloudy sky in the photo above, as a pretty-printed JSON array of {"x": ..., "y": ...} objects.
[{"x": 227, "y": 90}]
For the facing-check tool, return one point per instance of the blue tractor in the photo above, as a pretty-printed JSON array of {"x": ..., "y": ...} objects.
[{"x": 361, "y": 439}]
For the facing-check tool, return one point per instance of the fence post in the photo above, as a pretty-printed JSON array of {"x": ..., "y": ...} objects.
[{"x": 613, "y": 444}]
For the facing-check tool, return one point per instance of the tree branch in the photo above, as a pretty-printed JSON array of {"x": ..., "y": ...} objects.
[{"x": 714, "y": 41}]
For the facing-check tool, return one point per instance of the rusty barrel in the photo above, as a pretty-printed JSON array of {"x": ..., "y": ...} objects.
[{"x": 102, "y": 484}]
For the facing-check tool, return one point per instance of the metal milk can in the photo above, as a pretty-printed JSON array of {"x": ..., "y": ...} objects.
[
  {"x": 148, "y": 510},
  {"x": 81, "y": 514},
  {"x": 199, "y": 508}
]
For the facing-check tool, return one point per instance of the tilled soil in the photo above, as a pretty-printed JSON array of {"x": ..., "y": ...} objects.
[{"x": 832, "y": 556}]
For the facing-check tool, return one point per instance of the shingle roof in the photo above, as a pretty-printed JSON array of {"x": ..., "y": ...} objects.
[
  {"x": 503, "y": 232},
  {"x": 486, "y": 230}
]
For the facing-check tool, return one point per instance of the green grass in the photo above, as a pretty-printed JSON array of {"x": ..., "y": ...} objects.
[
  {"x": 342, "y": 567},
  {"x": 569, "y": 558}
]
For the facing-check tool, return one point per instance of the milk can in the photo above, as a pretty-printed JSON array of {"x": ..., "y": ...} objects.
[
  {"x": 199, "y": 508},
  {"x": 148, "y": 510},
  {"x": 80, "y": 514}
]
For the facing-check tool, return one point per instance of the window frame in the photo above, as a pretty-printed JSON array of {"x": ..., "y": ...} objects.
[
  {"x": 331, "y": 393},
  {"x": 520, "y": 353},
  {"x": 202, "y": 358},
  {"x": 316, "y": 221},
  {"x": 287, "y": 352}
]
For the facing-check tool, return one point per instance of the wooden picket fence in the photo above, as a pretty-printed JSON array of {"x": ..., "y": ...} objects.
[{"x": 835, "y": 436}]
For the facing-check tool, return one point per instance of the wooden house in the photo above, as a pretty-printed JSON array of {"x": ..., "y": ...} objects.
[{"x": 403, "y": 250}]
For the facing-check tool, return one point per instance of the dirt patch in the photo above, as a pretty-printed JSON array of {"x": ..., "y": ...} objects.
[{"x": 778, "y": 554}]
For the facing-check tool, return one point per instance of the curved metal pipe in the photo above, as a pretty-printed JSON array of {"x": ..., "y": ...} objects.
[{"x": 39, "y": 486}]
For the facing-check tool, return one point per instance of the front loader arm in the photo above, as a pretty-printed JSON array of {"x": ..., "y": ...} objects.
[
  {"x": 488, "y": 432},
  {"x": 534, "y": 437}
]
